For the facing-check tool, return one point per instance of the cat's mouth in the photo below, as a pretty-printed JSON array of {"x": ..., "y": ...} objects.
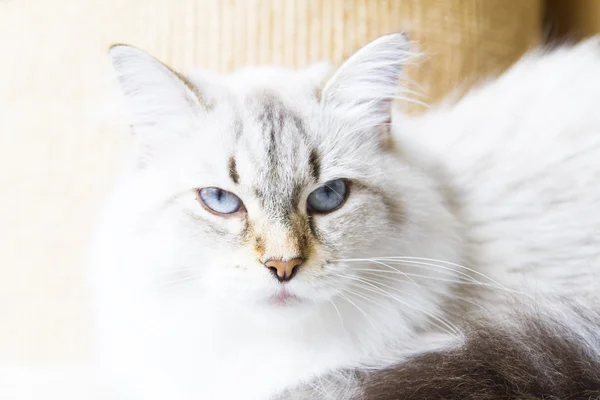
[{"x": 284, "y": 297}]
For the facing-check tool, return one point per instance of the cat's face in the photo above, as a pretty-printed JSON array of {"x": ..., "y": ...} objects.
[{"x": 268, "y": 187}]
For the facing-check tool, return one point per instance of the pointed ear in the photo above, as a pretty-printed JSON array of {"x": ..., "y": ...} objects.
[
  {"x": 368, "y": 82},
  {"x": 160, "y": 103}
]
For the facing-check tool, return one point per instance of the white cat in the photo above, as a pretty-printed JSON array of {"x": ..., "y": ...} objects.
[{"x": 276, "y": 226}]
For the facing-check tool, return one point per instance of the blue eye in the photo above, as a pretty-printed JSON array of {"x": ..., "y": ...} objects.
[
  {"x": 328, "y": 197},
  {"x": 220, "y": 201}
]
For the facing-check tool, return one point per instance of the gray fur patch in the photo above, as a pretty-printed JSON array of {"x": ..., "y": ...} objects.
[
  {"x": 542, "y": 359},
  {"x": 315, "y": 165},
  {"x": 284, "y": 138},
  {"x": 233, "y": 174}
]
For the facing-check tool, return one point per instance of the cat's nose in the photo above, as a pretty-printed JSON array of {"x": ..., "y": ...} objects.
[{"x": 284, "y": 270}]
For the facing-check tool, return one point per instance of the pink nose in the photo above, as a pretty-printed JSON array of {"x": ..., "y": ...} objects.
[{"x": 284, "y": 270}]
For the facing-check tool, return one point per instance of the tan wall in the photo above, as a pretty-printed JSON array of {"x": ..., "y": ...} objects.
[{"x": 58, "y": 162}]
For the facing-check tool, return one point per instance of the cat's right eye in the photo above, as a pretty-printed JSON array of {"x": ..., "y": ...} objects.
[{"x": 219, "y": 201}]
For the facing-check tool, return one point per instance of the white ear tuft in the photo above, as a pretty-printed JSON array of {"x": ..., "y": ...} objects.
[
  {"x": 159, "y": 101},
  {"x": 368, "y": 82}
]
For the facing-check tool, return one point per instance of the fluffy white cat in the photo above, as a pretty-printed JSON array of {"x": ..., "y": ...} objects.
[{"x": 279, "y": 233}]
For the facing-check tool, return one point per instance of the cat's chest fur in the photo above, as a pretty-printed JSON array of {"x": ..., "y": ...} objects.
[
  {"x": 220, "y": 356},
  {"x": 246, "y": 363}
]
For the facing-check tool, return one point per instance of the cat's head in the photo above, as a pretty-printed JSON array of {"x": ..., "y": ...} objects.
[{"x": 267, "y": 188}]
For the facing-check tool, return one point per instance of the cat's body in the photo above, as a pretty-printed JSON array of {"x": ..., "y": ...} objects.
[
  {"x": 506, "y": 182},
  {"x": 522, "y": 155}
]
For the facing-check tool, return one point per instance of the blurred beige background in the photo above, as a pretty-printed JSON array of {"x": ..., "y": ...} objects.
[{"x": 58, "y": 159}]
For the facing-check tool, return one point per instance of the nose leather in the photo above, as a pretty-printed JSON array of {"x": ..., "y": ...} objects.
[{"x": 284, "y": 270}]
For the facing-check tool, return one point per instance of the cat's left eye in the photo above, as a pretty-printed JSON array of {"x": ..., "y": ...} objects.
[
  {"x": 328, "y": 197},
  {"x": 220, "y": 201}
]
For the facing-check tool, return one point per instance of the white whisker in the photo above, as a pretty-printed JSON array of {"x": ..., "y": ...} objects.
[
  {"x": 450, "y": 273},
  {"x": 452, "y": 328},
  {"x": 447, "y": 263},
  {"x": 401, "y": 272},
  {"x": 426, "y": 262},
  {"x": 412, "y": 263},
  {"x": 441, "y": 292},
  {"x": 432, "y": 278},
  {"x": 442, "y": 324},
  {"x": 338, "y": 312},
  {"x": 358, "y": 308}
]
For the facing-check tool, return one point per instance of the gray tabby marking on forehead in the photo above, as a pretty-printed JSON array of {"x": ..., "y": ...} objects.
[
  {"x": 283, "y": 136},
  {"x": 238, "y": 128},
  {"x": 274, "y": 117},
  {"x": 233, "y": 174},
  {"x": 315, "y": 165}
]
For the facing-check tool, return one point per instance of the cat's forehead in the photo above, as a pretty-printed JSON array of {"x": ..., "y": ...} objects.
[
  {"x": 276, "y": 153},
  {"x": 267, "y": 114},
  {"x": 276, "y": 111}
]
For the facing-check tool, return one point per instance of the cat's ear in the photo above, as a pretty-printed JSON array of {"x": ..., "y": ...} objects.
[
  {"x": 160, "y": 103},
  {"x": 368, "y": 82}
]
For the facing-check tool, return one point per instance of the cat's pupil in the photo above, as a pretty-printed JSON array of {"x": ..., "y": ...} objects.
[{"x": 219, "y": 194}]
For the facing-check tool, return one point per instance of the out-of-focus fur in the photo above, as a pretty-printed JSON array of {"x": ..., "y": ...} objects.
[
  {"x": 497, "y": 193},
  {"x": 533, "y": 356}
]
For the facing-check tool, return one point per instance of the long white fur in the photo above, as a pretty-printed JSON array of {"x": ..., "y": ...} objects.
[{"x": 505, "y": 183}]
